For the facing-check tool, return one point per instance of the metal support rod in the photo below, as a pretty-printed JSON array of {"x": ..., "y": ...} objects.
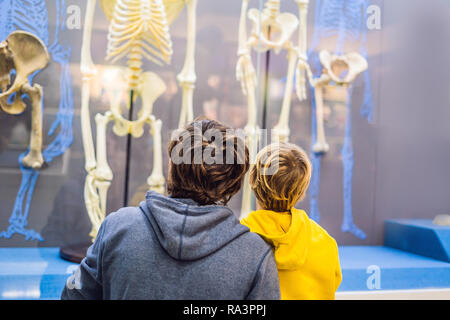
[{"x": 128, "y": 153}]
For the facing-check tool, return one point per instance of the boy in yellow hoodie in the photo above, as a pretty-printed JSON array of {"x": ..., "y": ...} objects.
[{"x": 306, "y": 255}]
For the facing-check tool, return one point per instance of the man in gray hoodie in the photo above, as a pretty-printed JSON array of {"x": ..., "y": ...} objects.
[{"x": 188, "y": 245}]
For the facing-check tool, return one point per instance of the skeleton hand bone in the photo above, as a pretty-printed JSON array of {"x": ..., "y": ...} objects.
[
  {"x": 245, "y": 73},
  {"x": 302, "y": 73}
]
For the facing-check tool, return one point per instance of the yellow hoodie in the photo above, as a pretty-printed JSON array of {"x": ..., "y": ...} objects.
[{"x": 306, "y": 255}]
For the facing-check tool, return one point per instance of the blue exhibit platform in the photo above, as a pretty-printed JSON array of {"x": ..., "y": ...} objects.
[
  {"x": 383, "y": 268},
  {"x": 417, "y": 236},
  {"x": 32, "y": 273},
  {"x": 39, "y": 273}
]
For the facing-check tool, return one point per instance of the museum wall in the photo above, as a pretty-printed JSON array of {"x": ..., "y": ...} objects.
[{"x": 400, "y": 156}]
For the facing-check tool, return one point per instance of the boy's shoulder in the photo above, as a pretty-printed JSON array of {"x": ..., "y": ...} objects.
[{"x": 319, "y": 234}]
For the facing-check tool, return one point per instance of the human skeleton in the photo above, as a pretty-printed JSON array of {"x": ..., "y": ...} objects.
[
  {"x": 25, "y": 53},
  {"x": 340, "y": 70},
  {"x": 272, "y": 30},
  {"x": 271, "y": 21},
  {"x": 139, "y": 29}
]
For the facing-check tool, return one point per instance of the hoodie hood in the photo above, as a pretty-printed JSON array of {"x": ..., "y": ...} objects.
[
  {"x": 289, "y": 233},
  {"x": 187, "y": 231}
]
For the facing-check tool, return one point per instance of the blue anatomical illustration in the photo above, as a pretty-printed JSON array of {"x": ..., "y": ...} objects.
[
  {"x": 32, "y": 16},
  {"x": 342, "y": 22}
]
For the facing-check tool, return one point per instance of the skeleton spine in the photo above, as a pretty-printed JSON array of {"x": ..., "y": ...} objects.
[
  {"x": 272, "y": 8},
  {"x": 135, "y": 65}
]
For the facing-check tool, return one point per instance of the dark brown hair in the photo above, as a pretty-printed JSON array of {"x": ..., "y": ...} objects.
[{"x": 202, "y": 181}]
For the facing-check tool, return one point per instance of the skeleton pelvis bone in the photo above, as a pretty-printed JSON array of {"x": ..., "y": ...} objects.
[
  {"x": 273, "y": 32},
  {"x": 150, "y": 88},
  {"x": 25, "y": 54},
  {"x": 342, "y": 70}
]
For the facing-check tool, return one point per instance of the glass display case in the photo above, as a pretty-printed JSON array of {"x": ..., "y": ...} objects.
[{"x": 387, "y": 131}]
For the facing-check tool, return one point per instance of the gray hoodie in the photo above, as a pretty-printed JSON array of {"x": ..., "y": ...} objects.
[{"x": 171, "y": 248}]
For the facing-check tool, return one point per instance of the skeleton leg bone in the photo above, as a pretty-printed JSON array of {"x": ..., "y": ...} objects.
[
  {"x": 99, "y": 179},
  {"x": 252, "y": 143},
  {"x": 281, "y": 130},
  {"x": 156, "y": 180},
  {"x": 102, "y": 171},
  {"x": 187, "y": 77},
  {"x": 88, "y": 71},
  {"x": 251, "y": 133},
  {"x": 34, "y": 158},
  {"x": 321, "y": 146},
  {"x": 246, "y": 75},
  {"x": 348, "y": 225},
  {"x": 152, "y": 87},
  {"x": 92, "y": 201}
]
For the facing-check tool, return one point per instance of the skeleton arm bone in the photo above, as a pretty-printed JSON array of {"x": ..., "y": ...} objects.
[
  {"x": 187, "y": 77},
  {"x": 88, "y": 71},
  {"x": 245, "y": 72},
  {"x": 302, "y": 45},
  {"x": 318, "y": 84}
]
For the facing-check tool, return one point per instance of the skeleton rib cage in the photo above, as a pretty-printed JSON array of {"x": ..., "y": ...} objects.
[{"x": 139, "y": 29}]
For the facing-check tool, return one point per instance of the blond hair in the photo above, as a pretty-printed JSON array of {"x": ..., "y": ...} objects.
[{"x": 280, "y": 176}]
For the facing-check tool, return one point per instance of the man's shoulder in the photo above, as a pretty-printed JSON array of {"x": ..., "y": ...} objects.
[
  {"x": 252, "y": 244},
  {"x": 124, "y": 218}
]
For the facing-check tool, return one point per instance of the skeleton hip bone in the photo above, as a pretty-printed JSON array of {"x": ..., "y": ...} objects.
[
  {"x": 342, "y": 70},
  {"x": 25, "y": 53}
]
